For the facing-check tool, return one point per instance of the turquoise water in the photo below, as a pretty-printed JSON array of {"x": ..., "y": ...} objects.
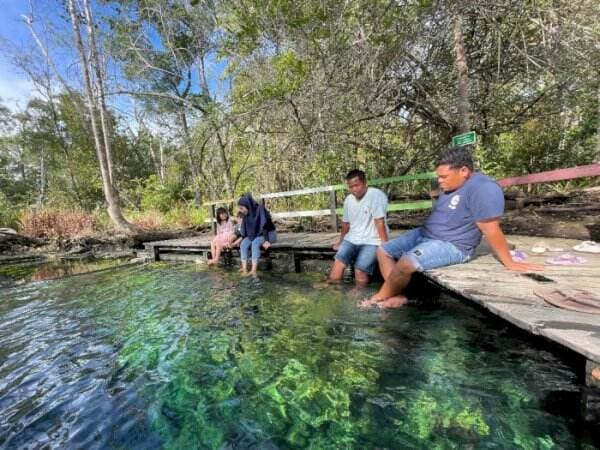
[{"x": 174, "y": 356}]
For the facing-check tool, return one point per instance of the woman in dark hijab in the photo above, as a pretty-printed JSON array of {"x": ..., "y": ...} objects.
[{"x": 257, "y": 230}]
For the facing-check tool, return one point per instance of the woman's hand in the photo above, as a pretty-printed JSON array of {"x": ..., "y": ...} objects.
[{"x": 266, "y": 245}]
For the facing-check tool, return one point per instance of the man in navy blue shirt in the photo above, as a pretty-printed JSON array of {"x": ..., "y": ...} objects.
[{"x": 470, "y": 205}]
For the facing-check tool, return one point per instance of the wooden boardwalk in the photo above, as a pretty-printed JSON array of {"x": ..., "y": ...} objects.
[{"x": 483, "y": 280}]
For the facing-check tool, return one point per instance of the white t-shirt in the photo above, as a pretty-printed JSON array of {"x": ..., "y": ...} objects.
[{"x": 360, "y": 214}]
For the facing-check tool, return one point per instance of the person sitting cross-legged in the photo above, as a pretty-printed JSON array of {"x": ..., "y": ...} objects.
[
  {"x": 364, "y": 228},
  {"x": 471, "y": 204}
]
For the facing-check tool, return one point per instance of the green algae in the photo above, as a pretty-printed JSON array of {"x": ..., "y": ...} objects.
[{"x": 215, "y": 361}]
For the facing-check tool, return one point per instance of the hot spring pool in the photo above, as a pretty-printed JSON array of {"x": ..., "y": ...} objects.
[{"x": 173, "y": 356}]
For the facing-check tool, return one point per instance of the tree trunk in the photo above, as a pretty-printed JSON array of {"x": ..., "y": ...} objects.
[
  {"x": 597, "y": 159},
  {"x": 111, "y": 196},
  {"x": 156, "y": 163},
  {"x": 42, "y": 197},
  {"x": 463, "y": 101},
  {"x": 226, "y": 164},
  {"x": 188, "y": 145},
  {"x": 161, "y": 150},
  {"x": 101, "y": 99}
]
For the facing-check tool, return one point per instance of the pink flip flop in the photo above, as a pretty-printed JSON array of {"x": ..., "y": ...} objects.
[{"x": 566, "y": 260}]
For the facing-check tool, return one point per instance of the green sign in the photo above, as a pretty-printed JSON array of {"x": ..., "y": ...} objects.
[{"x": 464, "y": 139}]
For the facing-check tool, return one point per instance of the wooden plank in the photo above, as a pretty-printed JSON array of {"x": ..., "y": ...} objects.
[
  {"x": 290, "y": 214},
  {"x": 333, "y": 187},
  {"x": 405, "y": 206},
  {"x": 307, "y": 191},
  {"x": 408, "y": 206},
  {"x": 591, "y": 170},
  {"x": 413, "y": 177}
]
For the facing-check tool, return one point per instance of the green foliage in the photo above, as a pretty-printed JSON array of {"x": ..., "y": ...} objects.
[
  {"x": 533, "y": 148},
  {"x": 274, "y": 95},
  {"x": 9, "y": 215},
  {"x": 290, "y": 73}
]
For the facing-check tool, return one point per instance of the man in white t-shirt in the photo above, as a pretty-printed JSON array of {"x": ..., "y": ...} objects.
[{"x": 364, "y": 229}]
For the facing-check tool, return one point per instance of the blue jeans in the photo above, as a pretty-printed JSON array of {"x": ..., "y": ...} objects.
[
  {"x": 363, "y": 256},
  {"x": 425, "y": 253},
  {"x": 255, "y": 244}
]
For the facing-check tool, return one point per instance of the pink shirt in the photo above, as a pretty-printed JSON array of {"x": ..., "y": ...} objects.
[{"x": 225, "y": 227}]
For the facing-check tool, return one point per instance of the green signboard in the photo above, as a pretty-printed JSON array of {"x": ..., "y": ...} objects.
[{"x": 464, "y": 139}]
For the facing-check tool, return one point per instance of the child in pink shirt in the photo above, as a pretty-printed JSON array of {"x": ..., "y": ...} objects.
[{"x": 225, "y": 234}]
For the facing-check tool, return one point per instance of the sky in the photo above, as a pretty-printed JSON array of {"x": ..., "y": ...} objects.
[{"x": 15, "y": 87}]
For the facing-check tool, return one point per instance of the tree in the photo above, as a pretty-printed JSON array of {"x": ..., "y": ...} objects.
[{"x": 96, "y": 104}]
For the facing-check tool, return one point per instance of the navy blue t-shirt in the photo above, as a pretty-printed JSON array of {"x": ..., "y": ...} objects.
[{"x": 455, "y": 214}]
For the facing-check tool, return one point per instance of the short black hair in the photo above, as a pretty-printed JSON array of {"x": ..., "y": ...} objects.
[
  {"x": 356, "y": 173},
  {"x": 456, "y": 157}
]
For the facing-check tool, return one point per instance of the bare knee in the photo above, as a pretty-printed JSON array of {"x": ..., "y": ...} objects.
[
  {"x": 404, "y": 267},
  {"x": 383, "y": 256}
]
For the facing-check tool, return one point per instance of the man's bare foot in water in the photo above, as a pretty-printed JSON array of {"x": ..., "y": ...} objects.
[
  {"x": 397, "y": 301},
  {"x": 211, "y": 262},
  {"x": 371, "y": 302}
]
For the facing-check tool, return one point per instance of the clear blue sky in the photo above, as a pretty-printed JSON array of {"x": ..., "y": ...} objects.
[{"x": 14, "y": 86}]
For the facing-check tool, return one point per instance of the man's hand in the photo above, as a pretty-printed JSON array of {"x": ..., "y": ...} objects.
[
  {"x": 524, "y": 267},
  {"x": 266, "y": 245},
  {"x": 381, "y": 229},
  {"x": 336, "y": 245},
  {"x": 495, "y": 237}
]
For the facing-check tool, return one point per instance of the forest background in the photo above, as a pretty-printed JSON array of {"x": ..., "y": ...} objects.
[{"x": 143, "y": 110}]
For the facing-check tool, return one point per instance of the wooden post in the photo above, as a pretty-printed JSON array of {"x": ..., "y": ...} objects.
[
  {"x": 333, "y": 207},
  {"x": 590, "y": 399},
  {"x": 156, "y": 252},
  {"x": 213, "y": 213},
  {"x": 297, "y": 264},
  {"x": 520, "y": 199}
]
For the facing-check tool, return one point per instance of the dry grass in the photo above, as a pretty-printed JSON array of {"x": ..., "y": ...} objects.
[
  {"x": 56, "y": 223},
  {"x": 150, "y": 221}
]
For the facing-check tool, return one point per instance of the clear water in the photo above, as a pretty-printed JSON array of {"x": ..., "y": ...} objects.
[
  {"x": 12, "y": 274},
  {"x": 179, "y": 357}
]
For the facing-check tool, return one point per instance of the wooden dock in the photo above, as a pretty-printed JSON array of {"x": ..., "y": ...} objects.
[{"x": 508, "y": 295}]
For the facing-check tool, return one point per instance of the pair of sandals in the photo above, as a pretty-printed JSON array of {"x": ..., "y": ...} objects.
[
  {"x": 583, "y": 247},
  {"x": 567, "y": 259},
  {"x": 561, "y": 260}
]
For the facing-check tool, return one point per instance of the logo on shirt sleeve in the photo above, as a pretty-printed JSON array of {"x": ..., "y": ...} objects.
[{"x": 454, "y": 201}]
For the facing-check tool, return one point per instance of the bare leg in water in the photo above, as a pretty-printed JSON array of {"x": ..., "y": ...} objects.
[
  {"x": 361, "y": 279},
  {"x": 217, "y": 254},
  {"x": 254, "y": 269},
  {"x": 397, "y": 276},
  {"x": 213, "y": 251},
  {"x": 337, "y": 272}
]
